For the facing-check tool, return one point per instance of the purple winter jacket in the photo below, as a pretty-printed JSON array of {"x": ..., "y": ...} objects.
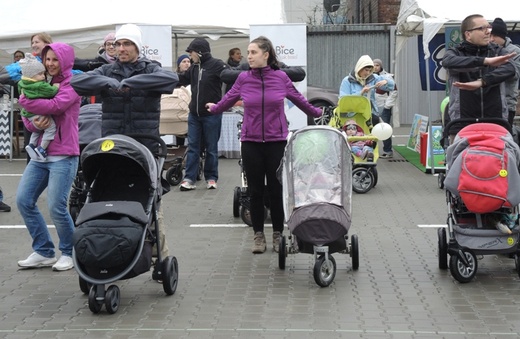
[
  {"x": 63, "y": 107},
  {"x": 263, "y": 91}
]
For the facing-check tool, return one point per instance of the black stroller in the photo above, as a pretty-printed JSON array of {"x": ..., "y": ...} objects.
[
  {"x": 118, "y": 225},
  {"x": 89, "y": 125},
  {"x": 482, "y": 180},
  {"x": 241, "y": 195},
  {"x": 317, "y": 190}
]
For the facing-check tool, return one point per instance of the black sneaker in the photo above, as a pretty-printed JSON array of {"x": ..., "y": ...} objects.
[
  {"x": 389, "y": 155},
  {"x": 4, "y": 207}
]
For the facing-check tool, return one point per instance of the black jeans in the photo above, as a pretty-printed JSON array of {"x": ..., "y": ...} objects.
[{"x": 261, "y": 160}]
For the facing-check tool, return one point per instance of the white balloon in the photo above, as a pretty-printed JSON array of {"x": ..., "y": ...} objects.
[{"x": 382, "y": 131}]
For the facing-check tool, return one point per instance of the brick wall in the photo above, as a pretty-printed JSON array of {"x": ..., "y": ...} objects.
[{"x": 373, "y": 11}]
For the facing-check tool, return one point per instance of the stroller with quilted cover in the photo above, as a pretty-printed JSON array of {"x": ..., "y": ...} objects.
[
  {"x": 174, "y": 121},
  {"x": 356, "y": 109},
  {"x": 316, "y": 176},
  {"x": 483, "y": 196},
  {"x": 118, "y": 225}
]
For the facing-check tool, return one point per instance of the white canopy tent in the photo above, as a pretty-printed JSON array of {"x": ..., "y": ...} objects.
[
  {"x": 428, "y": 18},
  {"x": 83, "y": 24}
]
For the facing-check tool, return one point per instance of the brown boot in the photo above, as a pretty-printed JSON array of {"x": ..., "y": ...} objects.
[{"x": 259, "y": 243}]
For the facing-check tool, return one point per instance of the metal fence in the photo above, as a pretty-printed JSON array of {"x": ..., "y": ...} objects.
[{"x": 333, "y": 50}]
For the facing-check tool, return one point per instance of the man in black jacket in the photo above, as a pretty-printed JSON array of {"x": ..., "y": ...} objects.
[
  {"x": 477, "y": 70},
  {"x": 203, "y": 127},
  {"x": 131, "y": 89}
]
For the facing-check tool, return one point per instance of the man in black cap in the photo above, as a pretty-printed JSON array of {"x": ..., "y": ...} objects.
[
  {"x": 203, "y": 127},
  {"x": 499, "y": 37}
]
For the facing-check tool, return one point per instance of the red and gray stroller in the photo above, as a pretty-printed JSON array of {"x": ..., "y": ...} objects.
[
  {"x": 118, "y": 225},
  {"x": 316, "y": 174},
  {"x": 483, "y": 193}
]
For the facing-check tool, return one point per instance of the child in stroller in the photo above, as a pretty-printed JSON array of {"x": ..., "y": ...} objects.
[
  {"x": 363, "y": 149},
  {"x": 316, "y": 173},
  {"x": 356, "y": 109},
  {"x": 482, "y": 180}
]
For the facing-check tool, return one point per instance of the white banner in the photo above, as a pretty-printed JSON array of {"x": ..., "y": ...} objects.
[
  {"x": 157, "y": 43},
  {"x": 290, "y": 43}
]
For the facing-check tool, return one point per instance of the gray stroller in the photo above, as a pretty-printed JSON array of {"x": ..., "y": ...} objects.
[
  {"x": 316, "y": 174},
  {"x": 482, "y": 193}
]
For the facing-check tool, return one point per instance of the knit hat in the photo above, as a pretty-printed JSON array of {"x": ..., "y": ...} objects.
[
  {"x": 199, "y": 45},
  {"x": 31, "y": 66},
  {"x": 182, "y": 57},
  {"x": 499, "y": 28},
  {"x": 130, "y": 32},
  {"x": 109, "y": 36},
  {"x": 379, "y": 62}
]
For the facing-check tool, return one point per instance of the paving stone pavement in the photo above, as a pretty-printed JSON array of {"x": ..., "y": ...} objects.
[{"x": 225, "y": 291}]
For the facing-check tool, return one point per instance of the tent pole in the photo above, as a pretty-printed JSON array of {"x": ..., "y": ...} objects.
[{"x": 430, "y": 117}]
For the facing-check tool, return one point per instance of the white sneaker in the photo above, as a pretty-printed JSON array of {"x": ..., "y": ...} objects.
[
  {"x": 64, "y": 263},
  {"x": 186, "y": 185},
  {"x": 30, "y": 149},
  {"x": 212, "y": 184},
  {"x": 36, "y": 260}
]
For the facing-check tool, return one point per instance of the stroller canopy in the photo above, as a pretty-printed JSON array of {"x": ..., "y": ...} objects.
[
  {"x": 316, "y": 168},
  {"x": 110, "y": 151}
]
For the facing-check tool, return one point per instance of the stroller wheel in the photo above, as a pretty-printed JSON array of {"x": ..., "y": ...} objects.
[
  {"x": 440, "y": 180},
  {"x": 84, "y": 286},
  {"x": 362, "y": 180},
  {"x": 74, "y": 212},
  {"x": 354, "y": 251},
  {"x": 442, "y": 248},
  {"x": 376, "y": 176},
  {"x": 112, "y": 299},
  {"x": 282, "y": 253},
  {"x": 236, "y": 202},
  {"x": 170, "y": 269},
  {"x": 245, "y": 214},
  {"x": 324, "y": 270},
  {"x": 200, "y": 173},
  {"x": 174, "y": 173},
  {"x": 517, "y": 263},
  {"x": 93, "y": 303},
  {"x": 460, "y": 271}
]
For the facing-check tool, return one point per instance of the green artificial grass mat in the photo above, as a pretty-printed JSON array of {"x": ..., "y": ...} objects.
[{"x": 412, "y": 157}]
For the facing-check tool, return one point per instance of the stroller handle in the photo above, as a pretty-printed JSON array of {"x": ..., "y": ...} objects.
[
  {"x": 468, "y": 121},
  {"x": 163, "y": 150}
]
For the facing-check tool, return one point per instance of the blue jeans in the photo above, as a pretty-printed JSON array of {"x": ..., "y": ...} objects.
[
  {"x": 386, "y": 115},
  {"x": 203, "y": 132},
  {"x": 57, "y": 177},
  {"x": 1, "y": 195}
]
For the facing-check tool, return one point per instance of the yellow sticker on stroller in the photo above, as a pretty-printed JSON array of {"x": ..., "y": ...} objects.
[
  {"x": 107, "y": 145},
  {"x": 510, "y": 241},
  {"x": 503, "y": 173}
]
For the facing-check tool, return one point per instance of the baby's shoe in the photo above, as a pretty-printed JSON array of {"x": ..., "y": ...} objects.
[
  {"x": 42, "y": 152},
  {"x": 31, "y": 150},
  {"x": 503, "y": 228},
  {"x": 370, "y": 157}
]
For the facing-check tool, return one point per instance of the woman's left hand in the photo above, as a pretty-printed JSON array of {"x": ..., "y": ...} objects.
[
  {"x": 209, "y": 105},
  {"x": 42, "y": 122}
]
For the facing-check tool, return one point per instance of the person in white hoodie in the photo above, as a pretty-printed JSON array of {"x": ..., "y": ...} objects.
[{"x": 385, "y": 103}]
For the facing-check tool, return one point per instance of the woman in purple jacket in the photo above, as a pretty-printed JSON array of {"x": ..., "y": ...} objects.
[
  {"x": 263, "y": 90},
  {"x": 57, "y": 171}
]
